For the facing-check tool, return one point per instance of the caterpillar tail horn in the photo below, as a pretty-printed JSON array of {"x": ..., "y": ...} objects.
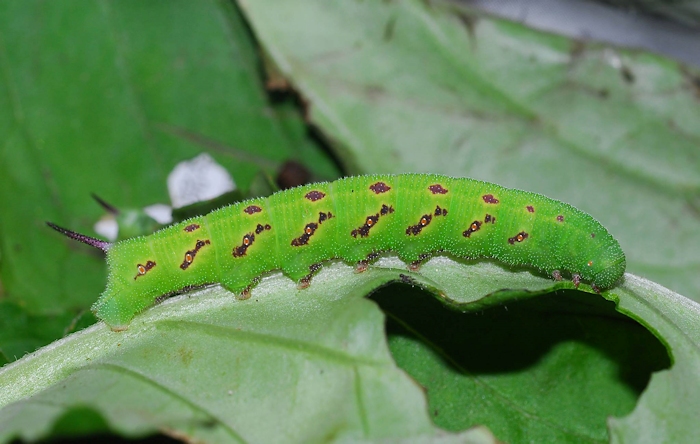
[{"x": 97, "y": 243}]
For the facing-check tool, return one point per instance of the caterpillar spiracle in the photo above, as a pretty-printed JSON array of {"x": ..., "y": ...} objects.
[{"x": 354, "y": 219}]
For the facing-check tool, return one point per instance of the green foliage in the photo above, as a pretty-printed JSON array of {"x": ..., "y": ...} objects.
[{"x": 106, "y": 97}]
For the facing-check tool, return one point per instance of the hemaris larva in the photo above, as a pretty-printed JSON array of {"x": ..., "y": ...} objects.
[{"x": 354, "y": 219}]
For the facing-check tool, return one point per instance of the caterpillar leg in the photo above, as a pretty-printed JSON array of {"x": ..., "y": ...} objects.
[
  {"x": 576, "y": 278},
  {"x": 556, "y": 275},
  {"x": 415, "y": 265},
  {"x": 245, "y": 293},
  {"x": 362, "y": 265},
  {"x": 306, "y": 280}
]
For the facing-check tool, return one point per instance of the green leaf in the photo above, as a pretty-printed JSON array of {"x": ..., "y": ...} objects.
[
  {"x": 310, "y": 367},
  {"x": 314, "y": 364},
  {"x": 106, "y": 97}
]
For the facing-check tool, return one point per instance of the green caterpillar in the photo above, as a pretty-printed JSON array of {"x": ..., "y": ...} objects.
[{"x": 355, "y": 219}]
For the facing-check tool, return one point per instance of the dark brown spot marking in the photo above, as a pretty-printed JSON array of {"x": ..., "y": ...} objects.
[
  {"x": 322, "y": 217},
  {"x": 425, "y": 221},
  {"x": 309, "y": 231},
  {"x": 363, "y": 231},
  {"x": 189, "y": 256},
  {"x": 489, "y": 219},
  {"x": 518, "y": 238},
  {"x": 438, "y": 189},
  {"x": 475, "y": 226},
  {"x": 530, "y": 209},
  {"x": 489, "y": 199},
  {"x": 315, "y": 195},
  {"x": 371, "y": 221},
  {"x": 440, "y": 211},
  {"x": 379, "y": 187},
  {"x": 560, "y": 218},
  {"x": 252, "y": 209},
  {"x": 143, "y": 269},
  {"x": 593, "y": 235},
  {"x": 190, "y": 228},
  {"x": 371, "y": 257},
  {"x": 416, "y": 229},
  {"x": 248, "y": 240},
  {"x": 240, "y": 250}
]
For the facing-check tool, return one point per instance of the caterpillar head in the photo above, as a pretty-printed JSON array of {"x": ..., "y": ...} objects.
[{"x": 606, "y": 270}]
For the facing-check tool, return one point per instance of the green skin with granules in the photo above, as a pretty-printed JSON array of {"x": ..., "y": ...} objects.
[{"x": 414, "y": 216}]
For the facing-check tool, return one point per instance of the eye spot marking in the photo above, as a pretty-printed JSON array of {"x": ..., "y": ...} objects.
[
  {"x": 363, "y": 231},
  {"x": 371, "y": 221},
  {"x": 438, "y": 189},
  {"x": 424, "y": 221},
  {"x": 518, "y": 238},
  {"x": 530, "y": 209},
  {"x": 190, "y": 228},
  {"x": 248, "y": 240},
  {"x": 379, "y": 187},
  {"x": 475, "y": 226},
  {"x": 490, "y": 199},
  {"x": 309, "y": 231},
  {"x": 252, "y": 209},
  {"x": 590, "y": 263},
  {"x": 315, "y": 195},
  {"x": 416, "y": 229},
  {"x": 143, "y": 269},
  {"x": 560, "y": 218},
  {"x": 190, "y": 254}
]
